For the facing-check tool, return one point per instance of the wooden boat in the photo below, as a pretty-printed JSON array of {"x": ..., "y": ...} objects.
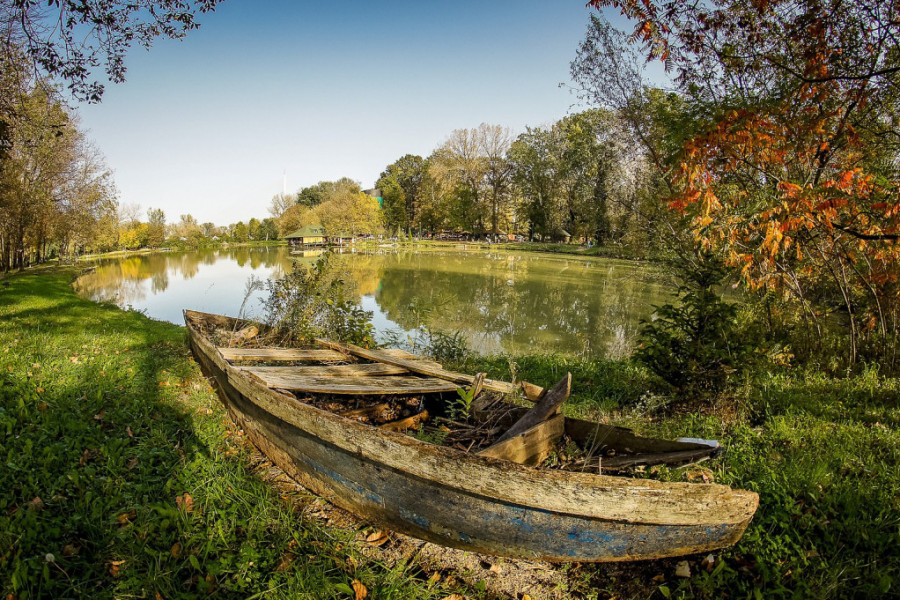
[{"x": 491, "y": 501}]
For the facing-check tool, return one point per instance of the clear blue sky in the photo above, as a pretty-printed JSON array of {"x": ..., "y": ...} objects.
[{"x": 321, "y": 90}]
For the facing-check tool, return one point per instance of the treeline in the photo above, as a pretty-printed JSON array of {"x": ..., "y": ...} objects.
[
  {"x": 56, "y": 194},
  {"x": 581, "y": 177},
  {"x": 340, "y": 206}
]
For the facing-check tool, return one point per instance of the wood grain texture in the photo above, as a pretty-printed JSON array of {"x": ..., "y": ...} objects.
[
  {"x": 547, "y": 405},
  {"x": 531, "y": 446},
  {"x": 359, "y": 370},
  {"x": 416, "y": 367},
  {"x": 280, "y": 354},
  {"x": 356, "y": 385}
]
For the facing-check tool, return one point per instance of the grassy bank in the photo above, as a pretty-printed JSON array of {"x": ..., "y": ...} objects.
[
  {"x": 823, "y": 454},
  {"x": 122, "y": 477}
]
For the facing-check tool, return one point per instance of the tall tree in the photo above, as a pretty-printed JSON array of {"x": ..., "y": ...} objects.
[
  {"x": 156, "y": 227},
  {"x": 794, "y": 178},
  {"x": 400, "y": 185}
]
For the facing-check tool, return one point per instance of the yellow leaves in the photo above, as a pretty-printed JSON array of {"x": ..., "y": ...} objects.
[
  {"x": 185, "y": 503},
  {"x": 127, "y": 517},
  {"x": 359, "y": 590},
  {"x": 175, "y": 551},
  {"x": 377, "y": 538}
]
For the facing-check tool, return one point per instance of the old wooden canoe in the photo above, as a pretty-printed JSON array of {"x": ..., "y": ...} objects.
[{"x": 447, "y": 496}]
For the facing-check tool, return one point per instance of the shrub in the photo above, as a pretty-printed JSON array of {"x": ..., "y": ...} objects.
[{"x": 693, "y": 344}]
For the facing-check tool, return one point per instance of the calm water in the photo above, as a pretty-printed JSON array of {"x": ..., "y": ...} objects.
[{"x": 501, "y": 302}]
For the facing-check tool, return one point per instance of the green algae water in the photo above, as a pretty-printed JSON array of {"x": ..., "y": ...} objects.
[{"x": 501, "y": 302}]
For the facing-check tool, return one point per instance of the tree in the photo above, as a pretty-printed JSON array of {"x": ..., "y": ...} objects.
[
  {"x": 156, "y": 227},
  {"x": 793, "y": 178},
  {"x": 400, "y": 183},
  {"x": 69, "y": 39},
  {"x": 280, "y": 204},
  {"x": 314, "y": 195},
  {"x": 495, "y": 142}
]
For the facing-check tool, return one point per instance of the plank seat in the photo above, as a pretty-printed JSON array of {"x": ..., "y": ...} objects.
[
  {"x": 357, "y": 370},
  {"x": 280, "y": 354},
  {"x": 393, "y": 385}
]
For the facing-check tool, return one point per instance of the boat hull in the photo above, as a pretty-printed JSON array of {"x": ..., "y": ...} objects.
[{"x": 366, "y": 480}]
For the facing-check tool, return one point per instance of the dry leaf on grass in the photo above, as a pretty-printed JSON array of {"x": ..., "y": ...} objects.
[
  {"x": 377, "y": 538},
  {"x": 359, "y": 590}
]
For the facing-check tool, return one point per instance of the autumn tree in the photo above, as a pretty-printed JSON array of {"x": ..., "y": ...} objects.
[{"x": 793, "y": 177}]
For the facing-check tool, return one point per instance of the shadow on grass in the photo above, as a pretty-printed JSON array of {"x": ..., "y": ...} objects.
[{"x": 120, "y": 474}]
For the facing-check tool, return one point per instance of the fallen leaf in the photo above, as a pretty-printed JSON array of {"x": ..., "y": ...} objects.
[
  {"x": 185, "y": 503},
  {"x": 377, "y": 538},
  {"x": 359, "y": 590},
  {"x": 115, "y": 567},
  {"x": 159, "y": 596},
  {"x": 36, "y": 503},
  {"x": 71, "y": 550},
  {"x": 40, "y": 390},
  {"x": 128, "y": 431},
  {"x": 99, "y": 416},
  {"x": 176, "y": 550},
  {"x": 131, "y": 464},
  {"x": 453, "y": 597},
  {"x": 659, "y": 578},
  {"x": 435, "y": 577},
  {"x": 127, "y": 517},
  {"x": 683, "y": 569}
]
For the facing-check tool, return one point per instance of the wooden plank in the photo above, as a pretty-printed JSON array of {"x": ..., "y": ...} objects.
[
  {"x": 365, "y": 370},
  {"x": 280, "y": 354},
  {"x": 546, "y": 407},
  {"x": 663, "y": 458},
  {"x": 417, "y": 367},
  {"x": 532, "y": 446},
  {"x": 597, "y": 436},
  {"x": 359, "y": 385},
  {"x": 398, "y": 353}
]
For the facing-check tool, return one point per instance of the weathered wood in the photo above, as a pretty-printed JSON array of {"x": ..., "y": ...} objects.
[
  {"x": 531, "y": 446},
  {"x": 280, "y": 354},
  {"x": 407, "y": 423},
  {"x": 663, "y": 458},
  {"x": 358, "y": 386},
  {"x": 597, "y": 436},
  {"x": 477, "y": 385},
  {"x": 247, "y": 333},
  {"x": 416, "y": 367},
  {"x": 472, "y": 502},
  {"x": 547, "y": 406},
  {"x": 363, "y": 370}
]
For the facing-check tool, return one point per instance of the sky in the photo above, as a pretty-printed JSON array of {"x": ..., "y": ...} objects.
[{"x": 275, "y": 92}]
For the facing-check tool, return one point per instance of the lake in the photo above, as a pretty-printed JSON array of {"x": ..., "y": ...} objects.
[{"x": 502, "y": 302}]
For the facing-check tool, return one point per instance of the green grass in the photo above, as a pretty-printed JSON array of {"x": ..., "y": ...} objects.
[
  {"x": 120, "y": 475},
  {"x": 823, "y": 453},
  {"x": 106, "y": 425}
]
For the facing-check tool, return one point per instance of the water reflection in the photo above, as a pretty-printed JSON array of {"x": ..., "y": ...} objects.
[{"x": 501, "y": 302}]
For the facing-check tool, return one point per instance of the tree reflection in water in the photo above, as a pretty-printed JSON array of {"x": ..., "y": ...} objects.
[{"x": 500, "y": 302}]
